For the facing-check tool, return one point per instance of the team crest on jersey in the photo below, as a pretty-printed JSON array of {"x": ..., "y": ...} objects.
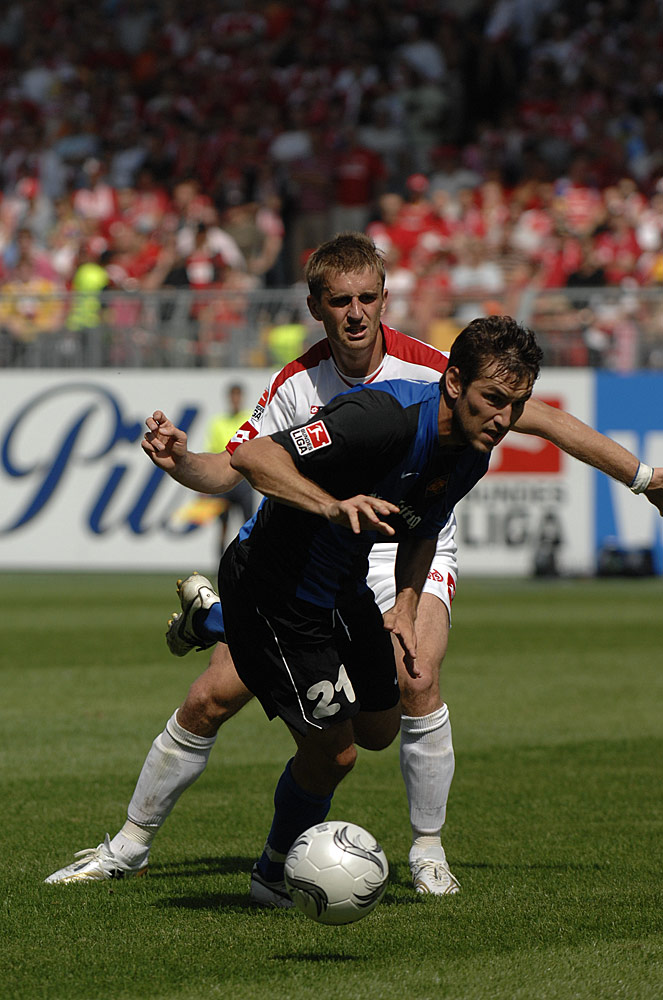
[
  {"x": 437, "y": 486},
  {"x": 311, "y": 437}
]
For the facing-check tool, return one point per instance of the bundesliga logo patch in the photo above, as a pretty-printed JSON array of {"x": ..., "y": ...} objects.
[{"x": 311, "y": 437}]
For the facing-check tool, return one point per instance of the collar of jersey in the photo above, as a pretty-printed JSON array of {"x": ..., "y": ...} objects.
[{"x": 362, "y": 379}]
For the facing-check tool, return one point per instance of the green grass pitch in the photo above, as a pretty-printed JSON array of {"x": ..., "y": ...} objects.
[{"x": 555, "y": 824}]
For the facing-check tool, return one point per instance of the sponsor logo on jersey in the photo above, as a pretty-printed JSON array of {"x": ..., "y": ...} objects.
[
  {"x": 407, "y": 512},
  {"x": 311, "y": 437},
  {"x": 259, "y": 411},
  {"x": 437, "y": 486},
  {"x": 409, "y": 515},
  {"x": 245, "y": 433}
]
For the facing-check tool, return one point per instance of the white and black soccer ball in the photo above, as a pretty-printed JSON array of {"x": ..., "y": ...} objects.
[{"x": 336, "y": 872}]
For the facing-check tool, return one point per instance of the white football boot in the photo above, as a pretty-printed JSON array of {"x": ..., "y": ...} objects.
[
  {"x": 264, "y": 893},
  {"x": 96, "y": 864},
  {"x": 196, "y": 593},
  {"x": 432, "y": 876}
]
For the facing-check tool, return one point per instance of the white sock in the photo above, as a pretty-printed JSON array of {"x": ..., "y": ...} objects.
[
  {"x": 175, "y": 759},
  {"x": 132, "y": 842},
  {"x": 427, "y": 766}
]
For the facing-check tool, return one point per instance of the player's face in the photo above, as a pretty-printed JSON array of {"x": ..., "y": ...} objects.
[
  {"x": 488, "y": 408},
  {"x": 350, "y": 310}
]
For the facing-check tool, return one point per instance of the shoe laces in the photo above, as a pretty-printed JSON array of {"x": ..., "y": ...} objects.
[
  {"x": 439, "y": 870},
  {"x": 97, "y": 853}
]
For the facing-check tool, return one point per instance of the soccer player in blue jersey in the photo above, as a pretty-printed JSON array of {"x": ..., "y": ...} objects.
[{"x": 303, "y": 629}]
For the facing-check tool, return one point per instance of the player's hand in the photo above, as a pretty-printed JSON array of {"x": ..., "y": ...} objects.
[
  {"x": 164, "y": 443},
  {"x": 654, "y": 491},
  {"x": 401, "y": 624},
  {"x": 362, "y": 513}
]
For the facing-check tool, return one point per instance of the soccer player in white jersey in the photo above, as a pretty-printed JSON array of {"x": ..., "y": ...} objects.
[{"x": 347, "y": 295}]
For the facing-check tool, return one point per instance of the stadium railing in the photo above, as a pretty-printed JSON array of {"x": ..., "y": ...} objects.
[{"x": 614, "y": 328}]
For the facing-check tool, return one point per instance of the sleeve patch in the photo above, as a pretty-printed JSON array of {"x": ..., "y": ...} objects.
[
  {"x": 245, "y": 433},
  {"x": 311, "y": 437}
]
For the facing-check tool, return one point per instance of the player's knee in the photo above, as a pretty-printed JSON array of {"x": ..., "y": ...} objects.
[
  {"x": 378, "y": 741},
  {"x": 319, "y": 769},
  {"x": 325, "y": 770},
  {"x": 203, "y": 699},
  {"x": 224, "y": 703},
  {"x": 216, "y": 695},
  {"x": 418, "y": 693},
  {"x": 344, "y": 760},
  {"x": 203, "y": 712},
  {"x": 377, "y": 731}
]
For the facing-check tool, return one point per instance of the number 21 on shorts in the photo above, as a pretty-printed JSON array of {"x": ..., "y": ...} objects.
[{"x": 323, "y": 692}]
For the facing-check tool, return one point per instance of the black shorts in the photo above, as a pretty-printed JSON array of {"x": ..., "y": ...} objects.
[{"x": 311, "y": 666}]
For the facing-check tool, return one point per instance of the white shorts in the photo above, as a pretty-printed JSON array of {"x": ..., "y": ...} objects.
[{"x": 442, "y": 576}]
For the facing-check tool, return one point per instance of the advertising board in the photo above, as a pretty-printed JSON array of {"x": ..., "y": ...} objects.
[
  {"x": 535, "y": 499},
  {"x": 628, "y": 409},
  {"x": 76, "y": 489},
  {"x": 77, "y": 492}
]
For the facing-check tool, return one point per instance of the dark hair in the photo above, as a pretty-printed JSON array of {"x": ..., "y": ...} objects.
[
  {"x": 346, "y": 253},
  {"x": 497, "y": 339}
]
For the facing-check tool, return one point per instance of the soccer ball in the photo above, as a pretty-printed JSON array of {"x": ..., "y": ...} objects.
[{"x": 336, "y": 872}]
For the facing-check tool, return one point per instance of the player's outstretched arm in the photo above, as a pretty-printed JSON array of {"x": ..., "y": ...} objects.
[
  {"x": 270, "y": 470},
  {"x": 589, "y": 446},
  {"x": 166, "y": 446}
]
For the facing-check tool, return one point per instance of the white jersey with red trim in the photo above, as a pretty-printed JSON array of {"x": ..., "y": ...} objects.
[{"x": 298, "y": 391}]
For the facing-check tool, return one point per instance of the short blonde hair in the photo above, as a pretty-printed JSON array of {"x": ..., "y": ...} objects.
[{"x": 347, "y": 253}]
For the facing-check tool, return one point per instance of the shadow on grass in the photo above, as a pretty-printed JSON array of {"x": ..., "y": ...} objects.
[
  {"x": 551, "y": 866},
  {"x": 241, "y": 902},
  {"x": 399, "y": 875},
  {"x": 194, "y": 867},
  {"x": 197, "y": 867},
  {"x": 399, "y": 891}
]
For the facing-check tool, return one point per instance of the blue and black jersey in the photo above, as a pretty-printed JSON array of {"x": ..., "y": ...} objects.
[{"x": 379, "y": 440}]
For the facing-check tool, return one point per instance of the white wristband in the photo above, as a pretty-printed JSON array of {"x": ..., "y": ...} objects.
[{"x": 642, "y": 478}]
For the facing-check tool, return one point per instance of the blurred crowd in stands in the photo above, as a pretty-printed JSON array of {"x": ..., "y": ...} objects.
[{"x": 496, "y": 150}]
